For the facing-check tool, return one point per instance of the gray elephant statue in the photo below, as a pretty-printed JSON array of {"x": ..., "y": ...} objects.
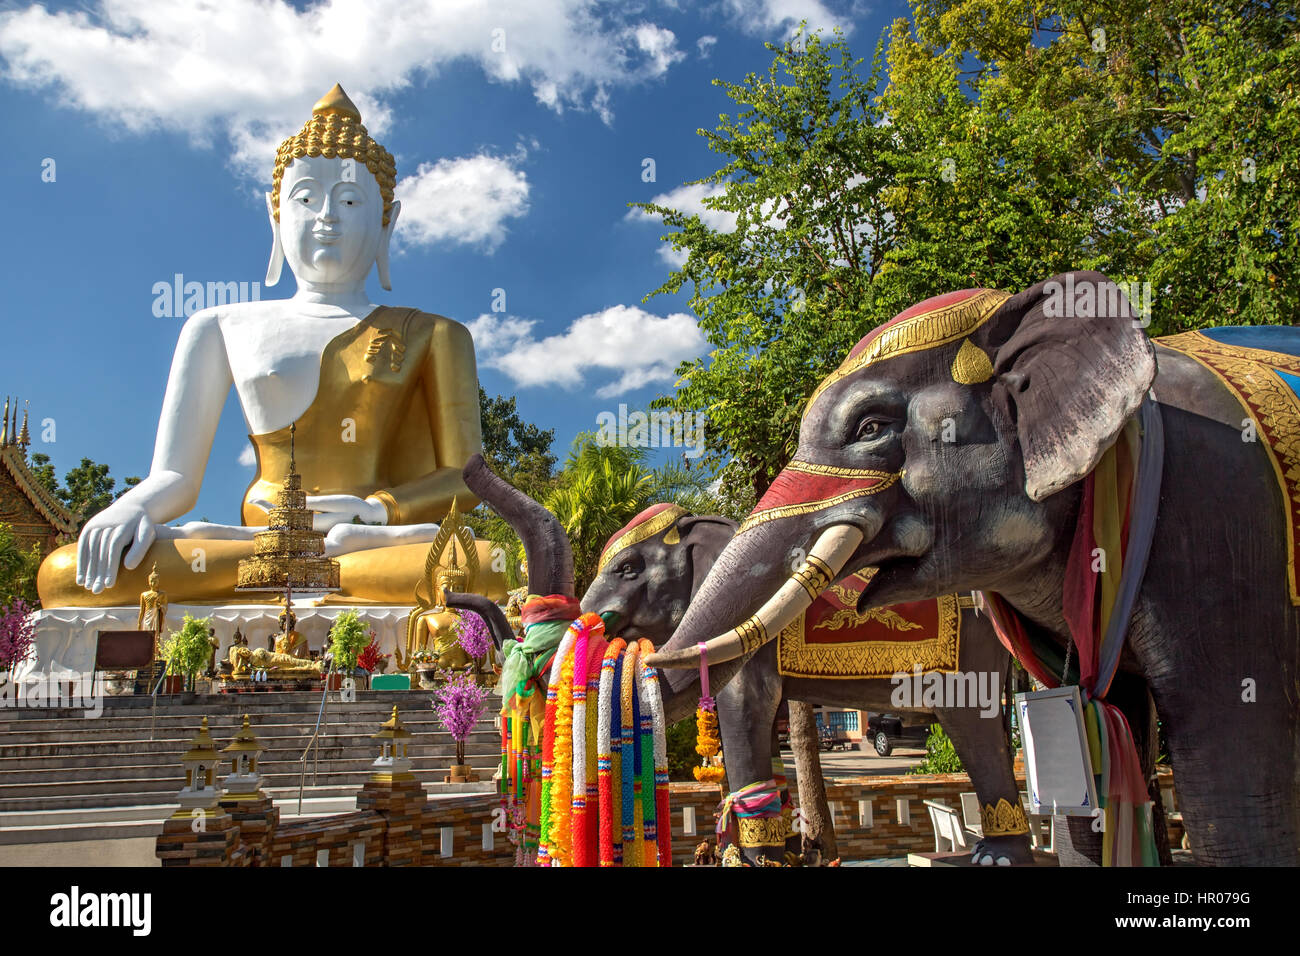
[
  {"x": 983, "y": 441},
  {"x": 650, "y": 571}
]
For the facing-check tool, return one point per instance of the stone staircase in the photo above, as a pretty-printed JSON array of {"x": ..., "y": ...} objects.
[{"x": 59, "y": 768}]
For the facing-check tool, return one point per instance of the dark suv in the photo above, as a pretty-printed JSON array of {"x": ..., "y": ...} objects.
[{"x": 883, "y": 730}]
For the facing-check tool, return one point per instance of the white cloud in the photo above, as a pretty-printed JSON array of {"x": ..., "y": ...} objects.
[
  {"x": 689, "y": 199},
  {"x": 782, "y": 17},
  {"x": 659, "y": 44},
  {"x": 638, "y": 348},
  {"x": 462, "y": 200},
  {"x": 247, "y": 457},
  {"x": 705, "y": 45},
  {"x": 247, "y": 71}
]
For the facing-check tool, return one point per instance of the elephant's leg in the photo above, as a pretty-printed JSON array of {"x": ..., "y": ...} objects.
[
  {"x": 1235, "y": 769},
  {"x": 982, "y": 746},
  {"x": 747, "y": 708}
]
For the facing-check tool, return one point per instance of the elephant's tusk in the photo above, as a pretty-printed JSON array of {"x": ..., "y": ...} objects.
[{"x": 829, "y": 553}]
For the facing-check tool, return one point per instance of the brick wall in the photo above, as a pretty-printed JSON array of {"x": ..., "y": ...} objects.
[
  {"x": 302, "y": 842},
  {"x": 397, "y": 826}
]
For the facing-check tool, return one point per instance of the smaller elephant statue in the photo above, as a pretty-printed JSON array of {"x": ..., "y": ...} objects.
[{"x": 650, "y": 571}]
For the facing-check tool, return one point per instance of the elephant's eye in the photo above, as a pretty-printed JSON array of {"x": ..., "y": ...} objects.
[
  {"x": 627, "y": 571},
  {"x": 869, "y": 429}
]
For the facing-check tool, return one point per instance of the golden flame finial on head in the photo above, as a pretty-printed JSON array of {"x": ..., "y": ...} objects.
[
  {"x": 336, "y": 101},
  {"x": 335, "y": 130}
]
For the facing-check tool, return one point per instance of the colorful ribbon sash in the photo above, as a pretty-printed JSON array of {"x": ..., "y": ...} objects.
[{"x": 1115, "y": 526}]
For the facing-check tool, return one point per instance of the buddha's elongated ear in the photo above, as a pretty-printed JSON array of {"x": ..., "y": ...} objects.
[
  {"x": 277, "y": 250},
  {"x": 381, "y": 258}
]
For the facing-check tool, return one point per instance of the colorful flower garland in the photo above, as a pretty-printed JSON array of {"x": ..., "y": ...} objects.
[
  {"x": 591, "y": 788},
  {"x": 605, "y": 755},
  {"x": 708, "y": 735}
]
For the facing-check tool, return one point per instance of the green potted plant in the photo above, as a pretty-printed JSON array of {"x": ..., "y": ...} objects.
[
  {"x": 186, "y": 652},
  {"x": 348, "y": 638}
]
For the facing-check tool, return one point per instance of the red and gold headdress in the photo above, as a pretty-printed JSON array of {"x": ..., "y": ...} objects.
[{"x": 650, "y": 522}]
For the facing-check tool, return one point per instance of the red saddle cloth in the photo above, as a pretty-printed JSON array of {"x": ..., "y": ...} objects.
[{"x": 831, "y": 639}]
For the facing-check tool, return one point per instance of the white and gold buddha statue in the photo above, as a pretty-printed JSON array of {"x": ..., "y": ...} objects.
[{"x": 385, "y": 400}]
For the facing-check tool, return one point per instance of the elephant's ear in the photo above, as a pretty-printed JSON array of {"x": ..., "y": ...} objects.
[
  {"x": 1071, "y": 365},
  {"x": 704, "y": 537}
]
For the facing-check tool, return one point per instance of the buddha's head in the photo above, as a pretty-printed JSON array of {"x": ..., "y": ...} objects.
[
  {"x": 331, "y": 202},
  {"x": 153, "y": 577}
]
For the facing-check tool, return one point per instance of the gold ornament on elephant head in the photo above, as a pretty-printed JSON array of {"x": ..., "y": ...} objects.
[{"x": 443, "y": 572}]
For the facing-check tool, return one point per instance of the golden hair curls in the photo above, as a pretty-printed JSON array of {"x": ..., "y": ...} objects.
[{"x": 335, "y": 130}]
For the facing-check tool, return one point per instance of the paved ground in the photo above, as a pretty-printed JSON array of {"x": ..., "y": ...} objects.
[
  {"x": 860, "y": 763},
  {"x": 133, "y": 852}
]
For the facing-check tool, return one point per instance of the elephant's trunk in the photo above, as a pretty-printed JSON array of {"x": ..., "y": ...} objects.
[
  {"x": 487, "y": 609},
  {"x": 550, "y": 560}
]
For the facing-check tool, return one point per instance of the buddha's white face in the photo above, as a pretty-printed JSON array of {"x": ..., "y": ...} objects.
[{"x": 331, "y": 219}]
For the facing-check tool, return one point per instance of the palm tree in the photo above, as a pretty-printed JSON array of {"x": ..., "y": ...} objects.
[{"x": 601, "y": 488}]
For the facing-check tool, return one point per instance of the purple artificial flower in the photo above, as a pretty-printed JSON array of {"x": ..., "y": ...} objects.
[
  {"x": 472, "y": 635},
  {"x": 458, "y": 702},
  {"x": 17, "y": 633}
]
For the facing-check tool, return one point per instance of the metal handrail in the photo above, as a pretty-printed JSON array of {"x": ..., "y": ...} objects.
[
  {"x": 313, "y": 743},
  {"x": 153, "y": 707}
]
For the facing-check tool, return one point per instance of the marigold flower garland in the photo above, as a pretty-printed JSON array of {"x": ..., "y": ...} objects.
[
  {"x": 587, "y": 661},
  {"x": 708, "y": 737},
  {"x": 561, "y": 796},
  {"x": 548, "y": 748}
]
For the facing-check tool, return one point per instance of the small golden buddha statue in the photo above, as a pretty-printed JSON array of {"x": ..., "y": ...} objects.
[
  {"x": 245, "y": 660},
  {"x": 153, "y": 611},
  {"x": 385, "y": 400},
  {"x": 288, "y": 641},
  {"x": 432, "y": 626}
]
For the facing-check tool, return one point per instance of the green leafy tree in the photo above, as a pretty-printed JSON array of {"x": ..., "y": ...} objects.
[
  {"x": 940, "y": 754},
  {"x": 188, "y": 650},
  {"x": 517, "y": 450},
  {"x": 86, "y": 490},
  {"x": 43, "y": 470},
  {"x": 1151, "y": 141},
  {"x": 1154, "y": 141},
  {"x": 348, "y": 638},
  {"x": 18, "y": 569}
]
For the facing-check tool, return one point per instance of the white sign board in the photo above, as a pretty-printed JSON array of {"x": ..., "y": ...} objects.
[{"x": 1058, "y": 767}]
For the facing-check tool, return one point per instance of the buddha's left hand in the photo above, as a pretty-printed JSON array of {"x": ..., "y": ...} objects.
[{"x": 333, "y": 510}]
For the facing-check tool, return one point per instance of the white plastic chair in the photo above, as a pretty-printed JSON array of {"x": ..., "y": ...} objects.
[
  {"x": 970, "y": 813},
  {"x": 947, "y": 828}
]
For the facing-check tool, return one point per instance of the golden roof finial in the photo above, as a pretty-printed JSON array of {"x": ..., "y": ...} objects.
[
  {"x": 392, "y": 728},
  {"x": 4, "y": 426},
  {"x": 24, "y": 437},
  {"x": 336, "y": 101},
  {"x": 201, "y": 747}
]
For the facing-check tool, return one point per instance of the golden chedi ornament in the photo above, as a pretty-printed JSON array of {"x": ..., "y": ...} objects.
[{"x": 290, "y": 554}]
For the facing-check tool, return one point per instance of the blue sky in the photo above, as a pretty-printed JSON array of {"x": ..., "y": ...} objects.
[{"x": 515, "y": 165}]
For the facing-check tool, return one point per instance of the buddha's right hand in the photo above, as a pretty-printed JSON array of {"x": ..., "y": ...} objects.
[{"x": 106, "y": 536}]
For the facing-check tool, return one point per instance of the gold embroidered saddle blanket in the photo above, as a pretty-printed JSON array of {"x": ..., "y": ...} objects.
[
  {"x": 831, "y": 639},
  {"x": 1260, "y": 366}
]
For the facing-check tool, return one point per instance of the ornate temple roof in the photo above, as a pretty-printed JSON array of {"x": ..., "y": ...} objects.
[{"x": 13, "y": 460}]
